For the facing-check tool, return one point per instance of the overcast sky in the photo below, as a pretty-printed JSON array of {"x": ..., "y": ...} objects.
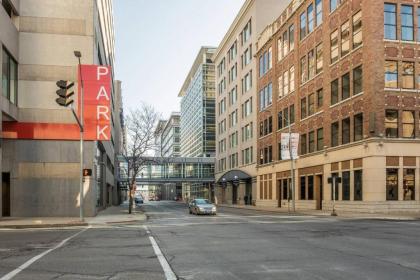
[{"x": 157, "y": 42}]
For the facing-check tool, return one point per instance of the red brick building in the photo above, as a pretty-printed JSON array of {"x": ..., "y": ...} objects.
[{"x": 345, "y": 75}]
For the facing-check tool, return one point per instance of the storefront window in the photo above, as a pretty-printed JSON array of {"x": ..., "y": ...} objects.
[
  {"x": 358, "y": 185},
  {"x": 392, "y": 184},
  {"x": 346, "y": 185},
  {"x": 310, "y": 187},
  {"x": 408, "y": 184},
  {"x": 303, "y": 188}
]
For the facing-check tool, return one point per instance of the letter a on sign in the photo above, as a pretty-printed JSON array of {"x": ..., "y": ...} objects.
[{"x": 97, "y": 112}]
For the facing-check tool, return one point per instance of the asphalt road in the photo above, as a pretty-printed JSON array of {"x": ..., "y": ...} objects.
[
  {"x": 241, "y": 244},
  {"x": 235, "y": 244}
]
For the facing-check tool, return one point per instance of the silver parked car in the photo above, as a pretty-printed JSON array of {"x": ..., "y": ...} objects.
[{"x": 202, "y": 206}]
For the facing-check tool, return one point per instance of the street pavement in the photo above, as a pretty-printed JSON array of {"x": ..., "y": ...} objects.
[{"x": 235, "y": 244}]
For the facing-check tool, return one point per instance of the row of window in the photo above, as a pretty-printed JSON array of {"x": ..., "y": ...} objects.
[
  {"x": 406, "y": 20},
  {"x": 310, "y": 18},
  {"x": 286, "y": 117},
  {"x": 286, "y": 42},
  {"x": 408, "y": 184},
  {"x": 407, "y": 80},
  {"x": 266, "y": 126},
  {"x": 311, "y": 65},
  {"x": 246, "y": 134},
  {"x": 308, "y": 144},
  {"x": 344, "y": 32},
  {"x": 392, "y": 121},
  {"x": 346, "y": 130},
  {"x": 247, "y": 157},
  {"x": 312, "y": 103},
  {"x": 9, "y": 77},
  {"x": 345, "y": 186},
  {"x": 345, "y": 86}
]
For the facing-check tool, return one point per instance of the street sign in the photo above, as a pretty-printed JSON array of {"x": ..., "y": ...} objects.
[{"x": 291, "y": 139}]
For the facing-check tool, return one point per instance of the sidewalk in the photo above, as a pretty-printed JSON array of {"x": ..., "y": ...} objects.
[
  {"x": 321, "y": 213},
  {"x": 111, "y": 215}
]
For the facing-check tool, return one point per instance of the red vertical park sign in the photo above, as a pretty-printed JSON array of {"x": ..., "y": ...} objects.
[
  {"x": 96, "y": 112},
  {"x": 97, "y": 101}
]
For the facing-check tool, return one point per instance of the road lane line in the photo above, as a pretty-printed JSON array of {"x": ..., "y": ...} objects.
[
  {"x": 169, "y": 273},
  {"x": 21, "y": 268}
]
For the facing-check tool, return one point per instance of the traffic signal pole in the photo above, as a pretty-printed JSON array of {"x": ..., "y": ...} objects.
[{"x": 80, "y": 122}]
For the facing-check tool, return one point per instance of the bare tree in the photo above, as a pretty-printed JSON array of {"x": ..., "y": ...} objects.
[{"x": 140, "y": 124}]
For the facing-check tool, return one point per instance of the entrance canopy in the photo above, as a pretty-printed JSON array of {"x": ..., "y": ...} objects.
[{"x": 234, "y": 175}]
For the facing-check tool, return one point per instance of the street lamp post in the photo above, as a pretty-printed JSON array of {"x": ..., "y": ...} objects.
[{"x": 78, "y": 54}]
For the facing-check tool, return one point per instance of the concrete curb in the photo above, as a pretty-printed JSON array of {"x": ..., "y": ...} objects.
[
  {"x": 44, "y": 226},
  {"x": 346, "y": 215}
]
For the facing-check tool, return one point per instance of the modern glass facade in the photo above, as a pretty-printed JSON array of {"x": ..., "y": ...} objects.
[{"x": 198, "y": 108}]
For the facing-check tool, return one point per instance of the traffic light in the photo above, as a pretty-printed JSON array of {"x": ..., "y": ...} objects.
[{"x": 64, "y": 92}]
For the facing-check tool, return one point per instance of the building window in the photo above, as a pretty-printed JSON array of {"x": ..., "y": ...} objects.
[
  {"x": 346, "y": 185},
  {"x": 391, "y": 74},
  {"x": 285, "y": 44},
  {"x": 303, "y": 25},
  {"x": 408, "y": 75},
  {"x": 320, "y": 98},
  {"x": 9, "y": 77},
  {"x": 280, "y": 82},
  {"x": 392, "y": 184},
  {"x": 358, "y": 185},
  {"x": 334, "y": 134},
  {"x": 311, "y": 64},
  {"x": 333, "y": 175},
  {"x": 391, "y": 123},
  {"x": 408, "y": 124},
  {"x": 286, "y": 83},
  {"x": 334, "y": 46},
  {"x": 345, "y": 131},
  {"x": 303, "y": 112},
  {"x": 311, "y": 104},
  {"x": 319, "y": 59},
  {"x": 333, "y": 5},
  {"x": 310, "y": 187},
  {"x": 312, "y": 141},
  {"x": 318, "y": 11},
  {"x": 292, "y": 78},
  {"x": 320, "y": 139},
  {"x": 280, "y": 120},
  {"x": 345, "y": 86},
  {"x": 292, "y": 114},
  {"x": 303, "y": 70},
  {"x": 286, "y": 117},
  {"x": 334, "y": 92},
  {"x": 266, "y": 97},
  {"x": 303, "y": 188},
  {"x": 358, "y": 127},
  {"x": 303, "y": 149},
  {"x": 357, "y": 29},
  {"x": 407, "y": 24},
  {"x": 345, "y": 38},
  {"x": 418, "y": 24},
  {"x": 311, "y": 19},
  {"x": 390, "y": 21},
  {"x": 292, "y": 37},
  {"x": 270, "y": 58},
  {"x": 357, "y": 80},
  {"x": 408, "y": 184}
]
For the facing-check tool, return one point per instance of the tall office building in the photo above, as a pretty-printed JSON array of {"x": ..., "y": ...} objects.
[
  {"x": 236, "y": 102},
  {"x": 198, "y": 117},
  {"x": 38, "y": 38},
  {"x": 171, "y": 136},
  {"x": 198, "y": 108},
  {"x": 344, "y": 75}
]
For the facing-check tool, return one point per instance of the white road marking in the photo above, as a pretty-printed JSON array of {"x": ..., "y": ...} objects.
[
  {"x": 21, "y": 268},
  {"x": 169, "y": 273}
]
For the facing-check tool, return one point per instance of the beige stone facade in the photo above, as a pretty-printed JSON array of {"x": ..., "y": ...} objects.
[
  {"x": 39, "y": 37},
  {"x": 236, "y": 126},
  {"x": 349, "y": 89}
]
